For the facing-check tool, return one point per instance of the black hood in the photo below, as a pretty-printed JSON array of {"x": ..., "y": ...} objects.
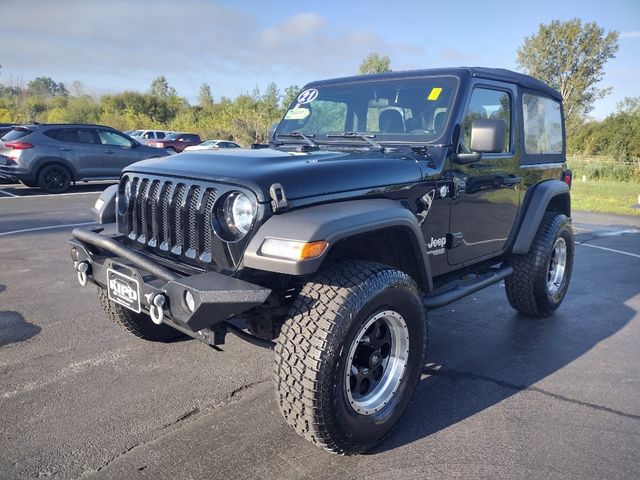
[{"x": 300, "y": 174}]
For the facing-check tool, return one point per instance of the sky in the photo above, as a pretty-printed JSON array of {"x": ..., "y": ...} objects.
[{"x": 234, "y": 46}]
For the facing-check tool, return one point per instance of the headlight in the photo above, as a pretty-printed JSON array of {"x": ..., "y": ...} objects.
[{"x": 239, "y": 212}]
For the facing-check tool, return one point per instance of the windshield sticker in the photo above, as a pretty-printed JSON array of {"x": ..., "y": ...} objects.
[
  {"x": 308, "y": 96},
  {"x": 434, "y": 94},
  {"x": 297, "y": 113}
]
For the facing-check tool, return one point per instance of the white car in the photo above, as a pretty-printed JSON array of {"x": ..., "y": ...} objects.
[
  {"x": 144, "y": 135},
  {"x": 213, "y": 145}
]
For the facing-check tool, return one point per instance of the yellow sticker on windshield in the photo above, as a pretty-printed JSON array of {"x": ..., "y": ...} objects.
[{"x": 435, "y": 93}]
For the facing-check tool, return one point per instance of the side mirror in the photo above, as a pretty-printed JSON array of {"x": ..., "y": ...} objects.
[{"x": 487, "y": 136}]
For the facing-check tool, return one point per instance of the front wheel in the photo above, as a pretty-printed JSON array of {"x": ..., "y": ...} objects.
[
  {"x": 541, "y": 277},
  {"x": 350, "y": 355},
  {"x": 138, "y": 324}
]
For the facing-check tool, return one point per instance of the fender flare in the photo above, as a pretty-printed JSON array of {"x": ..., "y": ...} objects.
[
  {"x": 334, "y": 222},
  {"x": 536, "y": 204},
  {"x": 42, "y": 161}
]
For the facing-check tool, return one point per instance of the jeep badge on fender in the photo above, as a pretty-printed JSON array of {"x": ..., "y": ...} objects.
[{"x": 379, "y": 198}]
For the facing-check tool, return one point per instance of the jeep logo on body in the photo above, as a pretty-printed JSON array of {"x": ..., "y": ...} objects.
[{"x": 437, "y": 242}]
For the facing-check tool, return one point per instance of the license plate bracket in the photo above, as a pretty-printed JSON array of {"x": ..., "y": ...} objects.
[{"x": 124, "y": 290}]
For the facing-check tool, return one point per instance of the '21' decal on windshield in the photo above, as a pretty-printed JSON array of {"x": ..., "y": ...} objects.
[{"x": 308, "y": 96}]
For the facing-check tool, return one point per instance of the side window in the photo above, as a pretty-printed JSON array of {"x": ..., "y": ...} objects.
[
  {"x": 542, "y": 125},
  {"x": 112, "y": 138},
  {"x": 159, "y": 134},
  {"x": 487, "y": 103},
  {"x": 76, "y": 136}
]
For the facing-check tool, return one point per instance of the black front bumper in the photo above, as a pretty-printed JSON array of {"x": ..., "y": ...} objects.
[{"x": 217, "y": 296}]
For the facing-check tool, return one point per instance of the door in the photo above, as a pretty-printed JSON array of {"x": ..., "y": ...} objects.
[
  {"x": 81, "y": 147},
  {"x": 486, "y": 193},
  {"x": 119, "y": 152}
]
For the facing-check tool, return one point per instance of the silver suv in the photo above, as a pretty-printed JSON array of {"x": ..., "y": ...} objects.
[{"x": 52, "y": 156}]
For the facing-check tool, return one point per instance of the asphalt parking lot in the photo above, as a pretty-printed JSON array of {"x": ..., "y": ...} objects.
[{"x": 502, "y": 395}]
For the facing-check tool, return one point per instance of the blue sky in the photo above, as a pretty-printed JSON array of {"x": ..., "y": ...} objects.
[{"x": 237, "y": 45}]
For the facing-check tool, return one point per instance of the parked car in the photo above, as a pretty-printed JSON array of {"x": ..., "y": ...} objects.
[
  {"x": 176, "y": 142},
  {"x": 213, "y": 145},
  {"x": 144, "y": 136},
  {"x": 52, "y": 156}
]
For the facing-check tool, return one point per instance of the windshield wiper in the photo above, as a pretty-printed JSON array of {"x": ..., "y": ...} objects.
[
  {"x": 362, "y": 136},
  {"x": 298, "y": 134}
]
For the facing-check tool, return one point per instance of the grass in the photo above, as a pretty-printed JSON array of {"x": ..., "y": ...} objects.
[{"x": 605, "y": 196}]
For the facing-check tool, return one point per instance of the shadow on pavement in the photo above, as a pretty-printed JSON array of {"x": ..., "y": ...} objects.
[
  {"x": 14, "y": 328},
  {"x": 492, "y": 364}
]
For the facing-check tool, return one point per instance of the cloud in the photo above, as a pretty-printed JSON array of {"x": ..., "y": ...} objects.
[
  {"x": 632, "y": 34},
  {"x": 126, "y": 44}
]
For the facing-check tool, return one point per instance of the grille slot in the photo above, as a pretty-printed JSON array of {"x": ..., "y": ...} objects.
[{"x": 171, "y": 216}]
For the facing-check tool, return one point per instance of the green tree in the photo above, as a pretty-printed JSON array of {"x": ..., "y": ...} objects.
[
  {"x": 374, "y": 63},
  {"x": 290, "y": 94},
  {"x": 160, "y": 88},
  {"x": 205, "y": 99},
  {"x": 570, "y": 57},
  {"x": 47, "y": 87}
]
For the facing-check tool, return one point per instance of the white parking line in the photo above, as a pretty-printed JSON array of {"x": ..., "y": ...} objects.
[
  {"x": 7, "y": 193},
  {"x": 36, "y": 229},
  {"x": 47, "y": 194},
  {"x": 610, "y": 250}
]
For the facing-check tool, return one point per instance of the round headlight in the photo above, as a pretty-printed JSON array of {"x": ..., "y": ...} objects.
[{"x": 239, "y": 213}]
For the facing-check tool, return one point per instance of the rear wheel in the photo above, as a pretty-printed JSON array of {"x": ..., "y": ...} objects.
[
  {"x": 54, "y": 178},
  {"x": 139, "y": 324},
  {"x": 541, "y": 277},
  {"x": 350, "y": 355}
]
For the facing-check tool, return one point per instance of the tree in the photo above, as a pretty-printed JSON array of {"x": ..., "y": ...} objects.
[
  {"x": 570, "y": 57},
  {"x": 374, "y": 63},
  {"x": 160, "y": 88},
  {"x": 46, "y": 87},
  {"x": 205, "y": 99},
  {"x": 290, "y": 94}
]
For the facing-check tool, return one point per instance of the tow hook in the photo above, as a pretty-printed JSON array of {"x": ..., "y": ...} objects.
[
  {"x": 157, "y": 308},
  {"x": 82, "y": 269}
]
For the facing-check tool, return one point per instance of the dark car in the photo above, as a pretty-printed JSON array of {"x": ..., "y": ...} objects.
[
  {"x": 379, "y": 198},
  {"x": 175, "y": 142},
  {"x": 52, "y": 156}
]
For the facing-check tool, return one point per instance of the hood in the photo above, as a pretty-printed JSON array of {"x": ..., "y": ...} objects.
[{"x": 300, "y": 174}]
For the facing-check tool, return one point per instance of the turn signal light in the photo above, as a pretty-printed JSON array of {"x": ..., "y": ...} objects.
[{"x": 293, "y": 250}]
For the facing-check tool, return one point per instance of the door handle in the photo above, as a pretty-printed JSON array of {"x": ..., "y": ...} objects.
[
  {"x": 108, "y": 151},
  {"x": 65, "y": 149}
]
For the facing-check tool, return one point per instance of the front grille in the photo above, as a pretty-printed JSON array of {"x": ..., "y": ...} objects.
[{"x": 171, "y": 216}]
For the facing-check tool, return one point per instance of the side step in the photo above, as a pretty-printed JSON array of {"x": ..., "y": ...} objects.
[{"x": 435, "y": 299}]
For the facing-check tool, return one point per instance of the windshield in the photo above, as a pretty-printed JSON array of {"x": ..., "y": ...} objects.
[
  {"x": 397, "y": 110},
  {"x": 136, "y": 133}
]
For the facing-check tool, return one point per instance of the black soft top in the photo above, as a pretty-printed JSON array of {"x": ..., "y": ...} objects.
[{"x": 500, "y": 74}]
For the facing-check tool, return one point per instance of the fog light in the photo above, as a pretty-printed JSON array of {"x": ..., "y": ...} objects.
[{"x": 189, "y": 301}]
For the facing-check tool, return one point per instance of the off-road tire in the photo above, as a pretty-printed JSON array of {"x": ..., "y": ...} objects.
[
  {"x": 54, "y": 178},
  {"x": 139, "y": 324},
  {"x": 527, "y": 288},
  {"x": 311, "y": 354}
]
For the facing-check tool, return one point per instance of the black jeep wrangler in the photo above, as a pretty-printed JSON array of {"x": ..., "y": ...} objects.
[{"x": 378, "y": 198}]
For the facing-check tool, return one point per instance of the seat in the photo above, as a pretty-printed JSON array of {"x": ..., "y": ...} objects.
[
  {"x": 390, "y": 121},
  {"x": 438, "y": 121}
]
